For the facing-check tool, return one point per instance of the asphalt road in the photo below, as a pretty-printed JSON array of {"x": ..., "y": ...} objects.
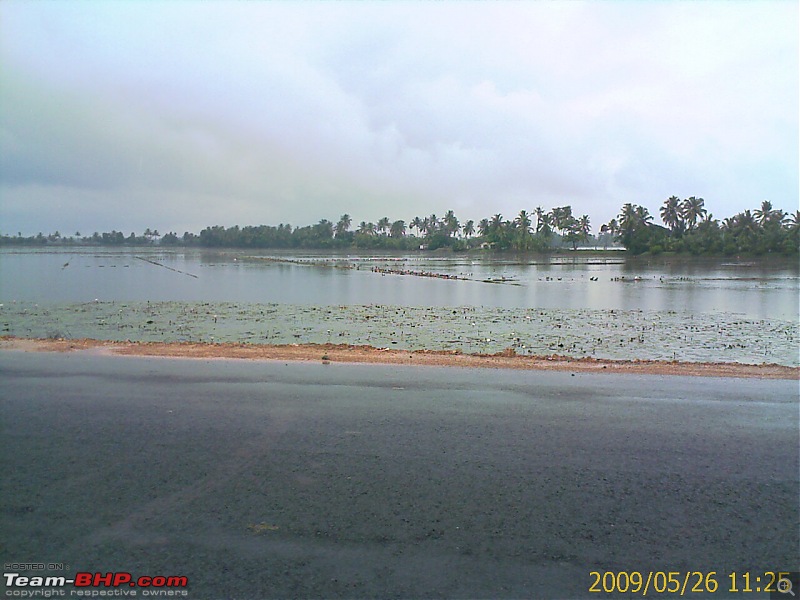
[{"x": 262, "y": 480}]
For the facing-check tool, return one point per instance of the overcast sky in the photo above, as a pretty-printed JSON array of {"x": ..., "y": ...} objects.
[{"x": 179, "y": 115}]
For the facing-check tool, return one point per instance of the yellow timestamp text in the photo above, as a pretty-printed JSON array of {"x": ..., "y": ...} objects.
[{"x": 689, "y": 582}]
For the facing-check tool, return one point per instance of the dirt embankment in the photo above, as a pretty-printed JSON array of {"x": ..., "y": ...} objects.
[{"x": 367, "y": 354}]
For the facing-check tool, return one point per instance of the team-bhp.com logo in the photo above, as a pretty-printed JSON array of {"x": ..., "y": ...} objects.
[{"x": 94, "y": 585}]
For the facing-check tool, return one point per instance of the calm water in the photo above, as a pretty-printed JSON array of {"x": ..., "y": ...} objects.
[
  {"x": 755, "y": 289},
  {"x": 611, "y": 307}
]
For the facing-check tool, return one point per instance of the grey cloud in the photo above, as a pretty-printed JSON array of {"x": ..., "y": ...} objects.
[{"x": 265, "y": 112}]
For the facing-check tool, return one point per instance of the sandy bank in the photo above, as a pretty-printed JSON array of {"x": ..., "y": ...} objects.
[{"x": 367, "y": 354}]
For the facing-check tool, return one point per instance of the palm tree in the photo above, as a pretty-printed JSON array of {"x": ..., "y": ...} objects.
[
  {"x": 746, "y": 221},
  {"x": 523, "y": 221},
  {"x": 763, "y": 214},
  {"x": 522, "y": 231},
  {"x": 611, "y": 228},
  {"x": 627, "y": 219},
  {"x": 343, "y": 225},
  {"x": 729, "y": 224},
  {"x": 398, "y": 229},
  {"x": 794, "y": 220},
  {"x": 557, "y": 218},
  {"x": 692, "y": 211},
  {"x": 450, "y": 223},
  {"x": 468, "y": 228},
  {"x": 562, "y": 217},
  {"x": 496, "y": 224},
  {"x": 383, "y": 225},
  {"x": 573, "y": 232},
  {"x": 584, "y": 227},
  {"x": 545, "y": 224},
  {"x": 671, "y": 213},
  {"x": 633, "y": 219},
  {"x": 539, "y": 212},
  {"x": 324, "y": 229},
  {"x": 425, "y": 226},
  {"x": 416, "y": 223},
  {"x": 643, "y": 216},
  {"x": 745, "y": 230},
  {"x": 484, "y": 227}
]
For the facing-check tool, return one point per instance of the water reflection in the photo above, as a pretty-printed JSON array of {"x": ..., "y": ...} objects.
[{"x": 760, "y": 289}]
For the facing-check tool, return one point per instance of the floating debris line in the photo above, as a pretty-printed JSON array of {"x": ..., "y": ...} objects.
[
  {"x": 158, "y": 264},
  {"x": 388, "y": 271},
  {"x": 432, "y": 274}
]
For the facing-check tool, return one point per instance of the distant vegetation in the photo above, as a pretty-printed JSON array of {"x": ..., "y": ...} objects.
[{"x": 689, "y": 228}]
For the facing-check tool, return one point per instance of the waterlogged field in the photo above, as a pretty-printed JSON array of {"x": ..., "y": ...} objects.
[
  {"x": 572, "y": 332},
  {"x": 595, "y": 306}
]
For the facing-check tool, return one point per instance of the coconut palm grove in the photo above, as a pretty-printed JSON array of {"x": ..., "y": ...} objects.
[{"x": 688, "y": 228}]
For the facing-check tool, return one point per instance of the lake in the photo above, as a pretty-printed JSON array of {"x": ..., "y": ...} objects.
[{"x": 583, "y": 305}]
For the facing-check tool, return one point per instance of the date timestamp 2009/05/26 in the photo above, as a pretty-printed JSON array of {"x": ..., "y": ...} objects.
[{"x": 685, "y": 582}]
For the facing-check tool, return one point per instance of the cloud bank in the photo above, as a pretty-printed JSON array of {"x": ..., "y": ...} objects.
[{"x": 181, "y": 115}]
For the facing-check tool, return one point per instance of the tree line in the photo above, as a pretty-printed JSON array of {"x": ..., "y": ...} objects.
[{"x": 688, "y": 228}]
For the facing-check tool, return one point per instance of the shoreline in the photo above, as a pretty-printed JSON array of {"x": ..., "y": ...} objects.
[{"x": 345, "y": 353}]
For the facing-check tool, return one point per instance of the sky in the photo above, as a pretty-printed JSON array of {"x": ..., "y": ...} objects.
[{"x": 179, "y": 115}]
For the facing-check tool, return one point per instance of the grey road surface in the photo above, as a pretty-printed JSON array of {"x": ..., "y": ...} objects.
[{"x": 266, "y": 479}]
